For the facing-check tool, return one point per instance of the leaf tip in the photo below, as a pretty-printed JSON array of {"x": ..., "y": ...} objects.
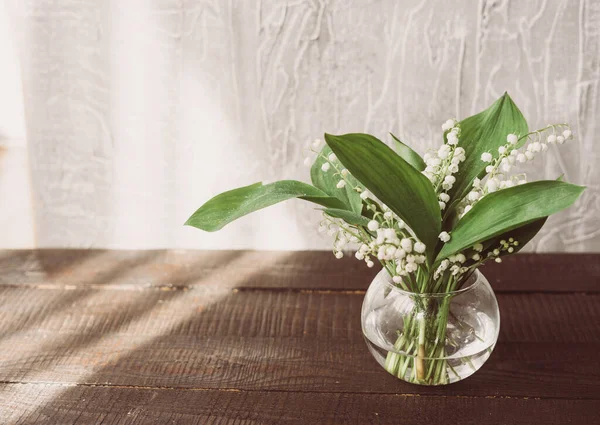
[
  {"x": 577, "y": 187},
  {"x": 197, "y": 225},
  {"x": 332, "y": 141},
  {"x": 329, "y": 137}
]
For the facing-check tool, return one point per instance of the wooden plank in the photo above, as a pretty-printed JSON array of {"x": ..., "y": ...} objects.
[
  {"x": 516, "y": 369},
  {"x": 224, "y": 311},
  {"x": 263, "y": 269},
  {"x": 166, "y": 337},
  {"x": 49, "y": 404},
  {"x": 172, "y": 268},
  {"x": 545, "y": 273}
]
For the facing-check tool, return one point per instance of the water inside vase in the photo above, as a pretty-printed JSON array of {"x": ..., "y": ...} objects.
[{"x": 469, "y": 344}]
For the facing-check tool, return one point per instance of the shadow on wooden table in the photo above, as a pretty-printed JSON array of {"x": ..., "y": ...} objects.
[
  {"x": 114, "y": 326},
  {"x": 49, "y": 269}
]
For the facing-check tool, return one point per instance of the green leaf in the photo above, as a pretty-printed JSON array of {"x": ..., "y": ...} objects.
[
  {"x": 233, "y": 204},
  {"x": 394, "y": 181},
  {"x": 508, "y": 209},
  {"x": 522, "y": 234},
  {"x": 408, "y": 154},
  {"x": 348, "y": 216},
  {"x": 327, "y": 182},
  {"x": 485, "y": 132},
  {"x": 526, "y": 233}
]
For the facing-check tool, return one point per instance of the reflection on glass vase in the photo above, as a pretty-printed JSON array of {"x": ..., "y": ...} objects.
[{"x": 430, "y": 339}]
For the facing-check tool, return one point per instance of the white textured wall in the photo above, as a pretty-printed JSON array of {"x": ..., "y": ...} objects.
[{"x": 139, "y": 111}]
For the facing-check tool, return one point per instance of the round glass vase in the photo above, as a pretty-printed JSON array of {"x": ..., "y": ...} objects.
[{"x": 430, "y": 339}]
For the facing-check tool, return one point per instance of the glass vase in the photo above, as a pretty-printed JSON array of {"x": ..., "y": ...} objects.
[{"x": 430, "y": 339}]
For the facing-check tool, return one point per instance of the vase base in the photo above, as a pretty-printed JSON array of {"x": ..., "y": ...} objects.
[{"x": 446, "y": 371}]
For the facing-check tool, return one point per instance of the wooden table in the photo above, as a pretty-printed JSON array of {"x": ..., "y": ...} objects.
[{"x": 239, "y": 337}]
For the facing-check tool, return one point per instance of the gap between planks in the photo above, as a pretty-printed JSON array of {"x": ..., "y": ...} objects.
[
  {"x": 240, "y": 390},
  {"x": 185, "y": 288}
]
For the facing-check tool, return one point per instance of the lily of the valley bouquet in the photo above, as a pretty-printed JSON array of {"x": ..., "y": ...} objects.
[{"x": 429, "y": 317}]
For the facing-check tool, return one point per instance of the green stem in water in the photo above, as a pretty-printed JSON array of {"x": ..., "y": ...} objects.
[{"x": 420, "y": 362}]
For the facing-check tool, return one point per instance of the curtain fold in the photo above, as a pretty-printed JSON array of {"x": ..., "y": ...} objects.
[
  {"x": 136, "y": 112},
  {"x": 16, "y": 209}
]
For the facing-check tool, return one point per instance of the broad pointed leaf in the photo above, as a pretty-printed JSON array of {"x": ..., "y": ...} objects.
[
  {"x": 522, "y": 234},
  {"x": 485, "y": 132},
  {"x": 408, "y": 154},
  {"x": 394, "y": 181},
  {"x": 328, "y": 180},
  {"x": 231, "y": 205},
  {"x": 508, "y": 209}
]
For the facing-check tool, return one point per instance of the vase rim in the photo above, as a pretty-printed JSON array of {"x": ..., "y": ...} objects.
[{"x": 472, "y": 282}]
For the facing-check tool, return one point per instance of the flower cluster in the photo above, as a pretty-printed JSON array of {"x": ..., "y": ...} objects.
[
  {"x": 454, "y": 264},
  {"x": 390, "y": 241},
  {"x": 343, "y": 235},
  {"x": 459, "y": 264},
  {"x": 443, "y": 163},
  {"x": 393, "y": 244}
]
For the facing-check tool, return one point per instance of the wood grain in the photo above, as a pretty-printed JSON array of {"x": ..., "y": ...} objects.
[
  {"x": 43, "y": 404},
  {"x": 264, "y": 339},
  {"x": 516, "y": 369},
  {"x": 60, "y": 268},
  {"x": 226, "y": 311}
]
